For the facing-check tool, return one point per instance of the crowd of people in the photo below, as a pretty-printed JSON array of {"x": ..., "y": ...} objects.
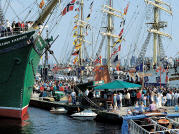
[
  {"x": 152, "y": 97},
  {"x": 8, "y": 28},
  {"x": 47, "y": 88}
]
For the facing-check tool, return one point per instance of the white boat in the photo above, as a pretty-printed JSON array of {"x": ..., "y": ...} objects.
[
  {"x": 85, "y": 115},
  {"x": 59, "y": 110}
]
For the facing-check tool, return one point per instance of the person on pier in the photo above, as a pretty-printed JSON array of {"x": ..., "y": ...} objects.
[
  {"x": 153, "y": 106},
  {"x": 115, "y": 101},
  {"x": 118, "y": 100},
  {"x": 73, "y": 96}
]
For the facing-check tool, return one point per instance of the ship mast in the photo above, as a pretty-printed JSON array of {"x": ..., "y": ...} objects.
[
  {"x": 81, "y": 34},
  {"x": 45, "y": 12},
  {"x": 156, "y": 26},
  {"x": 109, "y": 32}
]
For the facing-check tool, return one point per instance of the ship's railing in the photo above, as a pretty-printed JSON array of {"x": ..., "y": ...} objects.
[
  {"x": 175, "y": 125},
  {"x": 135, "y": 128},
  {"x": 5, "y": 34},
  {"x": 176, "y": 119},
  {"x": 88, "y": 99}
]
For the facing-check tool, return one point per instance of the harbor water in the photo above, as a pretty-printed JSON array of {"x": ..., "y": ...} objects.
[{"x": 43, "y": 122}]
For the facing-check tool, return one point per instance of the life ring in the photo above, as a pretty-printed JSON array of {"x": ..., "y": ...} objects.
[{"x": 163, "y": 121}]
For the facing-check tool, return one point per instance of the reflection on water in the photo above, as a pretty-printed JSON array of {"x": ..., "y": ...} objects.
[
  {"x": 43, "y": 122},
  {"x": 14, "y": 126}
]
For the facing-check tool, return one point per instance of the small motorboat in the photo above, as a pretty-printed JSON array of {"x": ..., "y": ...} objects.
[
  {"x": 85, "y": 115},
  {"x": 59, "y": 110}
]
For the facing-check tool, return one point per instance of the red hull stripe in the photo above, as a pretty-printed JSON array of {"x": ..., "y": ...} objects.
[{"x": 13, "y": 112}]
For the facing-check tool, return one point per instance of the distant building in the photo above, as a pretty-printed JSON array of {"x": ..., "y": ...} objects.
[{"x": 133, "y": 61}]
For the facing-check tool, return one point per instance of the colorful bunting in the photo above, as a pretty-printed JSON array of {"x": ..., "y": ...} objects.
[
  {"x": 91, "y": 6},
  {"x": 68, "y": 8},
  {"x": 87, "y": 27},
  {"x": 77, "y": 9},
  {"x": 119, "y": 49},
  {"x": 78, "y": 46},
  {"x": 122, "y": 23},
  {"x": 118, "y": 41},
  {"x": 42, "y": 3},
  {"x": 75, "y": 27},
  {"x": 75, "y": 41},
  {"x": 98, "y": 60},
  {"x": 88, "y": 17},
  {"x": 120, "y": 34},
  {"x": 116, "y": 59},
  {"x": 75, "y": 60},
  {"x": 76, "y": 16},
  {"x": 126, "y": 9},
  {"x": 76, "y": 52},
  {"x": 75, "y": 34}
]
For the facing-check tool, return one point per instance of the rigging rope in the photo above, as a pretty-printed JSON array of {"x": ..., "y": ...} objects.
[
  {"x": 5, "y": 10},
  {"x": 14, "y": 12}
]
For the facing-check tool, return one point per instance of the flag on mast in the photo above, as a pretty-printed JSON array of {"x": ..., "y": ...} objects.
[
  {"x": 76, "y": 52},
  {"x": 75, "y": 60},
  {"x": 98, "y": 60},
  {"x": 69, "y": 7},
  {"x": 119, "y": 49},
  {"x": 42, "y": 3},
  {"x": 116, "y": 59}
]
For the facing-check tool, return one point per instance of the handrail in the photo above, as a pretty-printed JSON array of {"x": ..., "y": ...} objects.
[
  {"x": 135, "y": 128},
  {"x": 88, "y": 99},
  {"x": 8, "y": 34}
]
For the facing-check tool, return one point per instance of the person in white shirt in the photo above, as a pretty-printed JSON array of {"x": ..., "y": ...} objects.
[
  {"x": 176, "y": 98},
  {"x": 159, "y": 95},
  {"x": 73, "y": 96},
  {"x": 86, "y": 92},
  {"x": 121, "y": 97},
  {"x": 164, "y": 100},
  {"x": 169, "y": 99},
  {"x": 8, "y": 27},
  {"x": 127, "y": 97}
]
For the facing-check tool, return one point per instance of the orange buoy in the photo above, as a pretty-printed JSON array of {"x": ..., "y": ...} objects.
[{"x": 163, "y": 121}]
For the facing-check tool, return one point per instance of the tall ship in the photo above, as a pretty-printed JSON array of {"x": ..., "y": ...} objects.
[
  {"x": 139, "y": 66},
  {"x": 20, "y": 53}
]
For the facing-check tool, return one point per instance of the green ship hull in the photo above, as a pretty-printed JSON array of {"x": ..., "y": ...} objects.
[{"x": 19, "y": 58}]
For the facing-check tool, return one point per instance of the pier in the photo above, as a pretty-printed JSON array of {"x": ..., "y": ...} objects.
[
  {"x": 115, "y": 116},
  {"x": 47, "y": 105}
]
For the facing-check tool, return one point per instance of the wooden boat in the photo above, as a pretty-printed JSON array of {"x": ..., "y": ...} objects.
[{"x": 142, "y": 124}]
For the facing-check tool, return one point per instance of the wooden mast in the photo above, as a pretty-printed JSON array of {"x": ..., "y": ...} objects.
[
  {"x": 81, "y": 34},
  {"x": 109, "y": 32},
  {"x": 157, "y": 25},
  {"x": 109, "y": 29},
  {"x": 45, "y": 13}
]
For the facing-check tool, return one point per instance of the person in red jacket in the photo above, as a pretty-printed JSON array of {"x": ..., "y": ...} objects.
[
  {"x": 139, "y": 95},
  {"x": 41, "y": 88},
  {"x": 22, "y": 26},
  {"x": 61, "y": 89}
]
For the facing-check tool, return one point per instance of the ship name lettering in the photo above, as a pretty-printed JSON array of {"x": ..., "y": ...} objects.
[
  {"x": 20, "y": 38},
  {"x": 13, "y": 41},
  {"x": 5, "y": 43}
]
